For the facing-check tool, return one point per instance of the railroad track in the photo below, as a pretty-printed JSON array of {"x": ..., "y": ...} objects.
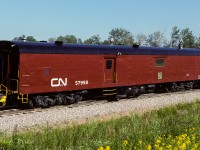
[{"x": 16, "y": 110}]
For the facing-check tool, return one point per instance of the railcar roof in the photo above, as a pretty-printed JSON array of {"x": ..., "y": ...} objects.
[{"x": 52, "y": 48}]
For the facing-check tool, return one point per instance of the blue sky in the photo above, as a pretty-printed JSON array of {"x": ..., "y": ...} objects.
[{"x": 84, "y": 18}]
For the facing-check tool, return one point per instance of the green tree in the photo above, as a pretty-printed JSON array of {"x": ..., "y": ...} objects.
[
  {"x": 60, "y": 38},
  {"x": 156, "y": 39},
  {"x": 185, "y": 35},
  {"x": 79, "y": 41},
  {"x": 106, "y": 42},
  {"x": 52, "y": 40},
  {"x": 188, "y": 38},
  {"x": 68, "y": 39},
  {"x": 24, "y": 38},
  {"x": 31, "y": 39},
  {"x": 175, "y": 37},
  {"x": 197, "y": 42},
  {"x": 95, "y": 39},
  {"x": 121, "y": 36},
  {"x": 141, "y": 39}
]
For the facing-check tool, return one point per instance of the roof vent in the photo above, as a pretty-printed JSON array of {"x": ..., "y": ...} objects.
[
  {"x": 59, "y": 43},
  {"x": 135, "y": 45}
]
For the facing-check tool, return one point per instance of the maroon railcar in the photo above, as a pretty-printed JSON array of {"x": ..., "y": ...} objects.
[{"x": 44, "y": 74}]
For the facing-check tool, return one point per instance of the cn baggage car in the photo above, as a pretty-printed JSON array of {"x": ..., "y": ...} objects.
[{"x": 45, "y": 74}]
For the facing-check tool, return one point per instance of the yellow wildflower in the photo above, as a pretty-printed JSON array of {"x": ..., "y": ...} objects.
[
  {"x": 184, "y": 135},
  {"x": 156, "y": 146},
  {"x": 193, "y": 137},
  {"x": 149, "y": 147},
  {"x": 158, "y": 141},
  {"x": 192, "y": 129},
  {"x": 188, "y": 141},
  {"x": 101, "y": 148},
  {"x": 179, "y": 142},
  {"x": 195, "y": 146},
  {"x": 169, "y": 146},
  {"x": 125, "y": 143},
  {"x": 107, "y": 148},
  {"x": 183, "y": 146},
  {"x": 140, "y": 142}
]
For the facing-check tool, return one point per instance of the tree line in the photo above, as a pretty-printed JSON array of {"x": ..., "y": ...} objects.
[{"x": 123, "y": 36}]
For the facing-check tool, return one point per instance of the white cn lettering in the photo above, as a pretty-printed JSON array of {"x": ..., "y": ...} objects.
[{"x": 55, "y": 82}]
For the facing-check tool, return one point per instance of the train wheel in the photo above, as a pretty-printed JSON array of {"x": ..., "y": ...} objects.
[
  {"x": 58, "y": 99},
  {"x": 45, "y": 103},
  {"x": 71, "y": 100},
  {"x": 31, "y": 104},
  {"x": 77, "y": 98},
  {"x": 134, "y": 94},
  {"x": 53, "y": 102},
  {"x": 189, "y": 85},
  {"x": 38, "y": 101},
  {"x": 64, "y": 100},
  {"x": 172, "y": 88}
]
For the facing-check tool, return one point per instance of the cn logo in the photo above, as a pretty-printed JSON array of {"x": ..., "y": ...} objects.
[{"x": 55, "y": 82}]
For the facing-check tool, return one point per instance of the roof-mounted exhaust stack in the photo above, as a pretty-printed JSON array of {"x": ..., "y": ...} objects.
[
  {"x": 23, "y": 38},
  {"x": 180, "y": 45}
]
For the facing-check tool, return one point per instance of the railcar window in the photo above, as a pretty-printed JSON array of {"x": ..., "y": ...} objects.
[
  {"x": 160, "y": 62},
  {"x": 108, "y": 64}
]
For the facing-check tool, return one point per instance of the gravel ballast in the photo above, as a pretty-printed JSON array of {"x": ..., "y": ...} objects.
[{"x": 66, "y": 114}]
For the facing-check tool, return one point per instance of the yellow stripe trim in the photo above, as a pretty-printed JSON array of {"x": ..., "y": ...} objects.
[
  {"x": 109, "y": 90},
  {"x": 110, "y": 94}
]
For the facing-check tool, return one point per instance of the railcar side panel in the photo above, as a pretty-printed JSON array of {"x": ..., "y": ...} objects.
[
  {"x": 43, "y": 73},
  {"x": 32, "y": 71}
]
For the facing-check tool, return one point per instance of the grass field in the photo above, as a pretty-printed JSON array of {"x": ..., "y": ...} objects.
[{"x": 174, "y": 128}]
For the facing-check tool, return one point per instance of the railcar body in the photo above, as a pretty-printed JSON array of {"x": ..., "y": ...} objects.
[{"x": 44, "y": 74}]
